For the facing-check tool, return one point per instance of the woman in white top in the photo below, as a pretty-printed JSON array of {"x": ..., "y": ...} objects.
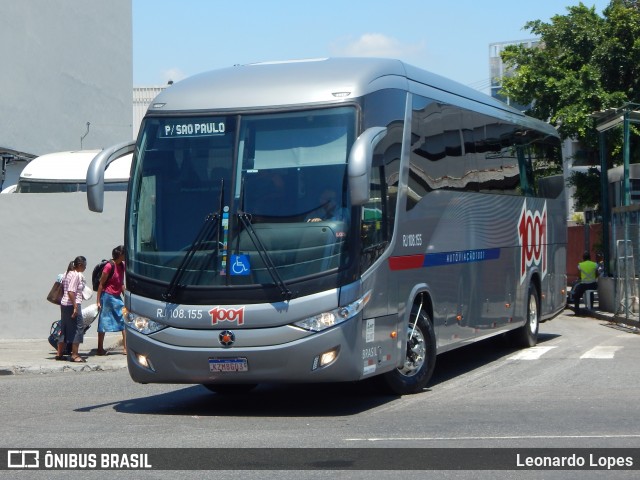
[{"x": 71, "y": 311}]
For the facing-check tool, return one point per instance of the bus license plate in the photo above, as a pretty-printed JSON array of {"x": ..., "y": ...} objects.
[{"x": 228, "y": 365}]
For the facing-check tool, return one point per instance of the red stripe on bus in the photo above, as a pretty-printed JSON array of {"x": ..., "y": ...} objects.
[{"x": 407, "y": 262}]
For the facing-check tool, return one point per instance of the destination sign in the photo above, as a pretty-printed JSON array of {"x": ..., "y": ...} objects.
[{"x": 192, "y": 129}]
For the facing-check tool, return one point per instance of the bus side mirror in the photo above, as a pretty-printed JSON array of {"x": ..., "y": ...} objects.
[
  {"x": 359, "y": 166},
  {"x": 95, "y": 173}
]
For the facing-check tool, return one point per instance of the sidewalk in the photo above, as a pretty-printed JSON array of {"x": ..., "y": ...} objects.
[
  {"x": 630, "y": 324},
  {"x": 36, "y": 356}
]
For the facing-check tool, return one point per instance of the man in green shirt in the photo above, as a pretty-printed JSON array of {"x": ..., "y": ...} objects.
[{"x": 588, "y": 280}]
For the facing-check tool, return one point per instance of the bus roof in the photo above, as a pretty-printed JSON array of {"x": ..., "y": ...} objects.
[
  {"x": 72, "y": 167},
  {"x": 316, "y": 81}
]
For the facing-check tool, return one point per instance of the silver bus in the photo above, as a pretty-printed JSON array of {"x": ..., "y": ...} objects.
[{"x": 333, "y": 220}]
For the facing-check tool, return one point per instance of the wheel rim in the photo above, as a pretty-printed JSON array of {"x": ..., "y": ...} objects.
[
  {"x": 533, "y": 314},
  {"x": 416, "y": 351}
]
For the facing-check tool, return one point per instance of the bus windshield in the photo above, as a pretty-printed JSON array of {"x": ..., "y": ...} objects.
[{"x": 241, "y": 199}]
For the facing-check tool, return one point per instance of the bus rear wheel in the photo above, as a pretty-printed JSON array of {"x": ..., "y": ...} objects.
[
  {"x": 527, "y": 335},
  {"x": 420, "y": 360}
]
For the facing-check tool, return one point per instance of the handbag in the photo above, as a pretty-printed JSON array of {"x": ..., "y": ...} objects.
[
  {"x": 56, "y": 293},
  {"x": 54, "y": 337},
  {"x": 87, "y": 293}
]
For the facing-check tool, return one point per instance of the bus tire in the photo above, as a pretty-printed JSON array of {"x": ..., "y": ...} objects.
[
  {"x": 527, "y": 335},
  {"x": 230, "y": 389},
  {"x": 420, "y": 359}
]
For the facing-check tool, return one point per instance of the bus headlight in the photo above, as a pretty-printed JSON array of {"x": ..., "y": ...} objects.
[
  {"x": 325, "y": 320},
  {"x": 142, "y": 324}
]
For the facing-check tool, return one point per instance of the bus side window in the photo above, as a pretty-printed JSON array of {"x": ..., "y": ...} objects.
[
  {"x": 527, "y": 183},
  {"x": 386, "y": 107},
  {"x": 372, "y": 226},
  {"x": 443, "y": 154},
  {"x": 378, "y": 213}
]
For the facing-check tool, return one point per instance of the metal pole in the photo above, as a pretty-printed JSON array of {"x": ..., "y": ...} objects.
[
  {"x": 604, "y": 202},
  {"x": 3, "y": 172},
  {"x": 625, "y": 157},
  {"x": 627, "y": 299},
  {"x": 627, "y": 201},
  {"x": 86, "y": 133},
  {"x": 617, "y": 266}
]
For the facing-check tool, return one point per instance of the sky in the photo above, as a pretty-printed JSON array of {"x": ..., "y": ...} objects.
[{"x": 176, "y": 39}]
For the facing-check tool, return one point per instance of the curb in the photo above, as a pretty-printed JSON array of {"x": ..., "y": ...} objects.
[
  {"x": 26, "y": 369},
  {"x": 36, "y": 357}
]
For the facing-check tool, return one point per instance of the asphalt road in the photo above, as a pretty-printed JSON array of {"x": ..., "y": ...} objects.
[{"x": 578, "y": 389}]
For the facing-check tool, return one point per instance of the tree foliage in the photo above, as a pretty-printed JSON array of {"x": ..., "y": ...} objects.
[
  {"x": 585, "y": 63},
  {"x": 587, "y": 186}
]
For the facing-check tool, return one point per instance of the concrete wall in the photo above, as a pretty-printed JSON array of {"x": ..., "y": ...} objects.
[
  {"x": 65, "y": 63},
  {"x": 40, "y": 235}
]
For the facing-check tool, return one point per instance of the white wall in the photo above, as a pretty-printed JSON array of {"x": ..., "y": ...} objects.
[
  {"x": 65, "y": 63},
  {"x": 40, "y": 235}
]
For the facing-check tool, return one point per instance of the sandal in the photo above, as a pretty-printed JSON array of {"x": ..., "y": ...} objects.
[
  {"x": 60, "y": 357},
  {"x": 102, "y": 353},
  {"x": 78, "y": 359}
]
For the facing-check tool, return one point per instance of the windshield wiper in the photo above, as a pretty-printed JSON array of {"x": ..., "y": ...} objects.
[
  {"x": 208, "y": 227},
  {"x": 245, "y": 218}
]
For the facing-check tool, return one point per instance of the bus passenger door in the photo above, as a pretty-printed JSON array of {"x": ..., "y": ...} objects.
[{"x": 376, "y": 229}]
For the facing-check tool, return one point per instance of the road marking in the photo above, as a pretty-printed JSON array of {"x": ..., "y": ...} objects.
[
  {"x": 533, "y": 353},
  {"x": 601, "y": 352},
  {"x": 506, "y": 437}
]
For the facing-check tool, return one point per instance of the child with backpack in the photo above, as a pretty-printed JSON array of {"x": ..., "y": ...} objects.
[{"x": 109, "y": 298}]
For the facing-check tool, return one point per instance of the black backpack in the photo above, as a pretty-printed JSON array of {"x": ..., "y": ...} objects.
[{"x": 97, "y": 273}]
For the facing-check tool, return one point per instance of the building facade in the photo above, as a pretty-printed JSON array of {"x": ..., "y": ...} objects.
[{"x": 142, "y": 98}]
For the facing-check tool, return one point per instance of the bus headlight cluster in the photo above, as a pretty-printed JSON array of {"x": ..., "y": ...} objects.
[
  {"x": 142, "y": 324},
  {"x": 325, "y": 320}
]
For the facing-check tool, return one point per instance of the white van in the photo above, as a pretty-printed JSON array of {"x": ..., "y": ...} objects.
[{"x": 67, "y": 172}]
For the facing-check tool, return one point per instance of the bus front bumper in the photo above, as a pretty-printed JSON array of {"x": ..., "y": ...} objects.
[{"x": 301, "y": 360}]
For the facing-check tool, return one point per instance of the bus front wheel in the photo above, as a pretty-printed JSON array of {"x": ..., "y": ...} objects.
[{"x": 420, "y": 360}]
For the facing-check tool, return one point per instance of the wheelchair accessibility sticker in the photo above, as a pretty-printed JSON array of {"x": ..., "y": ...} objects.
[{"x": 240, "y": 265}]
